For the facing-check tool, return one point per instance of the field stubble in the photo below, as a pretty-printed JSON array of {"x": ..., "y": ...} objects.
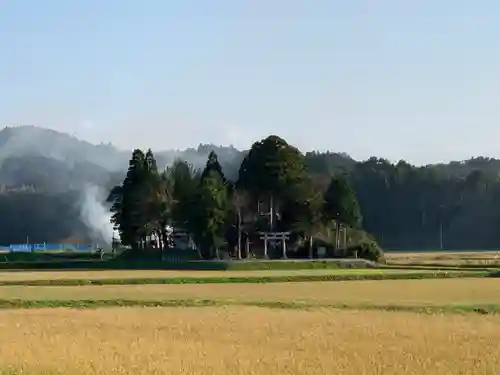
[
  {"x": 246, "y": 340},
  {"x": 138, "y": 274},
  {"x": 429, "y": 292},
  {"x": 250, "y": 340},
  {"x": 445, "y": 258}
]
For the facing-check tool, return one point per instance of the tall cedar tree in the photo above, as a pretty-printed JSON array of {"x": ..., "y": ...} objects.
[
  {"x": 210, "y": 213},
  {"x": 135, "y": 209},
  {"x": 341, "y": 205},
  {"x": 270, "y": 171},
  {"x": 150, "y": 186},
  {"x": 126, "y": 209},
  {"x": 160, "y": 207},
  {"x": 302, "y": 213},
  {"x": 213, "y": 165},
  {"x": 184, "y": 181}
]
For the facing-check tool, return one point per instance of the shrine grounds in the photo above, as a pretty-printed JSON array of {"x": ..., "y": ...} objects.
[{"x": 420, "y": 314}]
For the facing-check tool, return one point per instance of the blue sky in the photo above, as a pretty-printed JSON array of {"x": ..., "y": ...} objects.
[{"x": 418, "y": 80}]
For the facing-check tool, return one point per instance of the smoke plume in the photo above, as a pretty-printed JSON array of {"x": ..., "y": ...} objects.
[{"x": 95, "y": 214}]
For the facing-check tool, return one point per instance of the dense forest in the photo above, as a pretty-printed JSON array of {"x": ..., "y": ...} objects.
[
  {"x": 273, "y": 194},
  {"x": 451, "y": 205}
]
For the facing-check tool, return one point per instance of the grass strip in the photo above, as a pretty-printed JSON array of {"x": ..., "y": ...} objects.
[
  {"x": 233, "y": 265},
  {"x": 252, "y": 279},
  {"x": 437, "y": 265},
  {"x": 300, "y": 305},
  {"x": 485, "y": 268}
]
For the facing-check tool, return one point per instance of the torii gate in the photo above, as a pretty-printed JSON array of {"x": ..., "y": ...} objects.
[{"x": 282, "y": 236}]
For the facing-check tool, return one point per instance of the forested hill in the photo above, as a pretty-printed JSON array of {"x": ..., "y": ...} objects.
[{"x": 403, "y": 206}]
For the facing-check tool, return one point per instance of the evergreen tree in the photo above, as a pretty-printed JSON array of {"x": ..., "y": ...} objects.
[
  {"x": 153, "y": 197},
  {"x": 341, "y": 203},
  {"x": 126, "y": 203},
  {"x": 271, "y": 170},
  {"x": 160, "y": 207},
  {"x": 135, "y": 211},
  {"x": 210, "y": 208},
  {"x": 210, "y": 213},
  {"x": 302, "y": 212},
  {"x": 184, "y": 181},
  {"x": 213, "y": 165},
  {"x": 341, "y": 206}
]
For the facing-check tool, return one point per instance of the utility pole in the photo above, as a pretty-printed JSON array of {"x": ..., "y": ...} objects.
[
  {"x": 441, "y": 234},
  {"x": 271, "y": 214},
  {"x": 441, "y": 227}
]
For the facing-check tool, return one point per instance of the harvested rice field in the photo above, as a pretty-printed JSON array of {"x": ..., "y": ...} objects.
[
  {"x": 246, "y": 340},
  {"x": 346, "y": 327},
  {"x": 427, "y": 292},
  {"x": 138, "y": 274},
  {"x": 444, "y": 258}
]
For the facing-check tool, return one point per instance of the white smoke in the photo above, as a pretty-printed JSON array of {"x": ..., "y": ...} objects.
[{"x": 96, "y": 215}]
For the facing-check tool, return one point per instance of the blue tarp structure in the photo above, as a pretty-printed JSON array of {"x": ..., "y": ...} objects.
[
  {"x": 20, "y": 248},
  {"x": 82, "y": 247},
  {"x": 53, "y": 247},
  {"x": 40, "y": 247}
]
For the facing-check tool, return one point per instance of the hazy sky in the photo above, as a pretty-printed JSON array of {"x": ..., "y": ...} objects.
[{"x": 411, "y": 79}]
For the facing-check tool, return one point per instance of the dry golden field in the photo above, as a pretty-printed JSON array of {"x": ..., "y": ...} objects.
[
  {"x": 484, "y": 258},
  {"x": 131, "y": 274},
  {"x": 246, "y": 340},
  {"x": 231, "y": 339},
  {"x": 426, "y": 292}
]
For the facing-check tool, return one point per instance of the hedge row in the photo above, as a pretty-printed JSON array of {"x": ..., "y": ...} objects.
[
  {"x": 250, "y": 279},
  {"x": 244, "y": 265}
]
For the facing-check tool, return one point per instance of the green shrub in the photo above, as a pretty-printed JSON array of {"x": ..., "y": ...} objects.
[{"x": 367, "y": 249}]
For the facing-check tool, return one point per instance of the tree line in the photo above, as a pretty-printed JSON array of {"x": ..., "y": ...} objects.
[
  {"x": 274, "y": 192},
  {"x": 408, "y": 207},
  {"x": 452, "y": 205}
]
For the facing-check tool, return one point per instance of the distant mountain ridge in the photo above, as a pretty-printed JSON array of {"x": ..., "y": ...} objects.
[
  {"x": 57, "y": 161},
  {"x": 52, "y": 160},
  {"x": 19, "y": 141}
]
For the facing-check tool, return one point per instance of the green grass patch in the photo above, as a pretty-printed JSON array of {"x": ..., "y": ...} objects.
[
  {"x": 341, "y": 276},
  {"x": 95, "y": 304},
  {"x": 292, "y": 264}
]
